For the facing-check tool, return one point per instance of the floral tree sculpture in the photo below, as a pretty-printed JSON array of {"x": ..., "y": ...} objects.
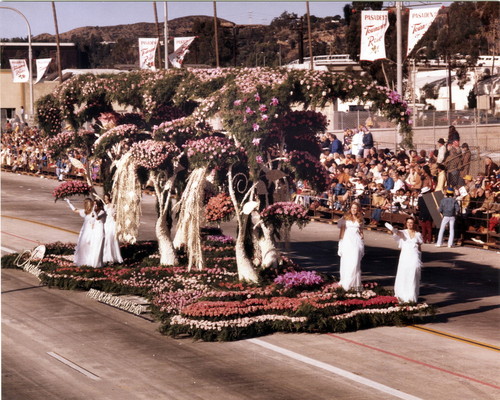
[{"x": 160, "y": 160}]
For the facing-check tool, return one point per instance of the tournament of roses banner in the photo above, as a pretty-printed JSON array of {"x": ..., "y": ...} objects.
[
  {"x": 147, "y": 51},
  {"x": 20, "y": 72},
  {"x": 41, "y": 67},
  {"x": 419, "y": 22},
  {"x": 181, "y": 45},
  {"x": 374, "y": 24}
]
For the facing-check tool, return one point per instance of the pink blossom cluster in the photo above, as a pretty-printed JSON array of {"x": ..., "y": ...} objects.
[
  {"x": 60, "y": 142},
  {"x": 298, "y": 279},
  {"x": 71, "y": 188},
  {"x": 220, "y": 238},
  {"x": 151, "y": 154},
  {"x": 212, "y": 150},
  {"x": 285, "y": 213}
]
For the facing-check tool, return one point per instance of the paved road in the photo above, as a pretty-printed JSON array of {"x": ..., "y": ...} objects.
[{"x": 62, "y": 345}]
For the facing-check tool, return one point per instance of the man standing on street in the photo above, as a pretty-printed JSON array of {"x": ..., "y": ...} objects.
[{"x": 449, "y": 208}]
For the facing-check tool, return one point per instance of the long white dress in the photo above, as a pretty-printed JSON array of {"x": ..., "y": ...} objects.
[
  {"x": 97, "y": 241},
  {"x": 351, "y": 251},
  {"x": 407, "y": 284},
  {"x": 83, "y": 250},
  {"x": 111, "y": 246}
]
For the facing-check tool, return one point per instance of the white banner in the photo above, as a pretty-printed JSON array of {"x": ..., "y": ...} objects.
[
  {"x": 41, "y": 67},
  {"x": 418, "y": 24},
  {"x": 374, "y": 24},
  {"x": 181, "y": 45},
  {"x": 20, "y": 72},
  {"x": 147, "y": 52}
]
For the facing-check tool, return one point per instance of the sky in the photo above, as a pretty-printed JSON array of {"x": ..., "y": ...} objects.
[{"x": 73, "y": 15}]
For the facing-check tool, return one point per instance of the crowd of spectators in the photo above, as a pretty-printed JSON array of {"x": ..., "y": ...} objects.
[
  {"x": 394, "y": 182},
  {"x": 25, "y": 149}
]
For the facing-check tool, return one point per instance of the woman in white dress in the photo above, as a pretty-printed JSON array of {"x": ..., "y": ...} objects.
[
  {"x": 97, "y": 241},
  {"x": 351, "y": 247},
  {"x": 111, "y": 246},
  {"x": 407, "y": 284}
]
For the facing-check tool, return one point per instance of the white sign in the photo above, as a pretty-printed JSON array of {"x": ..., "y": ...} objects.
[
  {"x": 147, "y": 51},
  {"x": 41, "y": 67},
  {"x": 418, "y": 24},
  {"x": 374, "y": 24},
  {"x": 20, "y": 72},
  {"x": 181, "y": 45}
]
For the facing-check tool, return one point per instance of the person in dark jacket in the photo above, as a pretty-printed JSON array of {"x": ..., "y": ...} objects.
[
  {"x": 424, "y": 216},
  {"x": 453, "y": 134},
  {"x": 336, "y": 146},
  {"x": 367, "y": 141},
  {"x": 449, "y": 208}
]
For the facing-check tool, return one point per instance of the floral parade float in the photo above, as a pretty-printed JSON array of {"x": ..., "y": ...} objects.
[{"x": 223, "y": 143}]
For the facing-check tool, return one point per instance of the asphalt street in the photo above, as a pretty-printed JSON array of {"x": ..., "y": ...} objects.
[{"x": 60, "y": 344}]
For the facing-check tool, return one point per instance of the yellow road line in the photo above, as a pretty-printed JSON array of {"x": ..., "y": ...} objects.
[
  {"x": 455, "y": 337},
  {"x": 40, "y": 223}
]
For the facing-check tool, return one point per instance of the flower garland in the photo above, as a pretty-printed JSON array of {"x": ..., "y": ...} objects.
[
  {"x": 285, "y": 214},
  {"x": 212, "y": 151},
  {"x": 71, "y": 188}
]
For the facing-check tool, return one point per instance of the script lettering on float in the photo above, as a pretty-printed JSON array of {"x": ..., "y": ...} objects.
[{"x": 30, "y": 260}]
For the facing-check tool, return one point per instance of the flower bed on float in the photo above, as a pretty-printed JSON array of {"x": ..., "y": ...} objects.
[{"x": 213, "y": 305}]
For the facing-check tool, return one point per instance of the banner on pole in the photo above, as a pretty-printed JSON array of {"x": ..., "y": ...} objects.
[
  {"x": 20, "y": 72},
  {"x": 41, "y": 67},
  {"x": 374, "y": 24},
  {"x": 147, "y": 51},
  {"x": 181, "y": 45},
  {"x": 418, "y": 24}
]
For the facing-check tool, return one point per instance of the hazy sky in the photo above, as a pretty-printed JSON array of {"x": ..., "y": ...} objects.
[{"x": 72, "y": 15}]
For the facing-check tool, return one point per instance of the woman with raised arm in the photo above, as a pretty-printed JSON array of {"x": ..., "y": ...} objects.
[
  {"x": 111, "y": 252},
  {"x": 97, "y": 241},
  {"x": 83, "y": 250},
  {"x": 407, "y": 284},
  {"x": 351, "y": 247}
]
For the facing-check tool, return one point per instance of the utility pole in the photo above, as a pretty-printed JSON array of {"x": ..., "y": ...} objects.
[
  {"x": 311, "y": 60},
  {"x": 58, "y": 46},
  {"x": 301, "y": 40},
  {"x": 158, "y": 33},
  {"x": 399, "y": 43},
  {"x": 165, "y": 32},
  {"x": 216, "y": 36}
]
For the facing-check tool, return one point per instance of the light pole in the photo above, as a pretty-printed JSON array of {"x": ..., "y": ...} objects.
[
  {"x": 30, "y": 54},
  {"x": 414, "y": 85}
]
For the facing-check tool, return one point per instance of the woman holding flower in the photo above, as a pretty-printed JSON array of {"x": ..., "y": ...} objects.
[
  {"x": 111, "y": 251},
  {"x": 351, "y": 247},
  {"x": 407, "y": 284}
]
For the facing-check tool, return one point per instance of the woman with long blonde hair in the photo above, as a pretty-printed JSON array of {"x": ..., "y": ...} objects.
[
  {"x": 83, "y": 250},
  {"x": 351, "y": 247}
]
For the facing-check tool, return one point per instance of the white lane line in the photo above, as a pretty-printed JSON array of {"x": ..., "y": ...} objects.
[
  {"x": 7, "y": 250},
  {"x": 74, "y": 366},
  {"x": 335, "y": 370}
]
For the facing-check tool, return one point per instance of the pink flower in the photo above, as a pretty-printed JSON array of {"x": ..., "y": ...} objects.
[
  {"x": 256, "y": 141},
  {"x": 255, "y": 127},
  {"x": 237, "y": 103},
  {"x": 248, "y": 110},
  {"x": 274, "y": 101},
  {"x": 259, "y": 159},
  {"x": 257, "y": 97},
  {"x": 262, "y": 108},
  {"x": 264, "y": 117}
]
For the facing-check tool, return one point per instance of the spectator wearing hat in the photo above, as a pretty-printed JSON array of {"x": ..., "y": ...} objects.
[
  {"x": 468, "y": 183},
  {"x": 424, "y": 216},
  {"x": 449, "y": 208},
  {"x": 441, "y": 151}
]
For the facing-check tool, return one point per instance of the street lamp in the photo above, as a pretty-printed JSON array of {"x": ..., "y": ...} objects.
[
  {"x": 414, "y": 84},
  {"x": 30, "y": 54}
]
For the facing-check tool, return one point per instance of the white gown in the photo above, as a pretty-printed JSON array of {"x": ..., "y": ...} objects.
[
  {"x": 83, "y": 250},
  {"x": 407, "y": 284},
  {"x": 97, "y": 241},
  {"x": 351, "y": 251},
  {"x": 111, "y": 246}
]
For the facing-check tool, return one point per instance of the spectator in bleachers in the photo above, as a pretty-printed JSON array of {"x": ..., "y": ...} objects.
[{"x": 441, "y": 151}]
